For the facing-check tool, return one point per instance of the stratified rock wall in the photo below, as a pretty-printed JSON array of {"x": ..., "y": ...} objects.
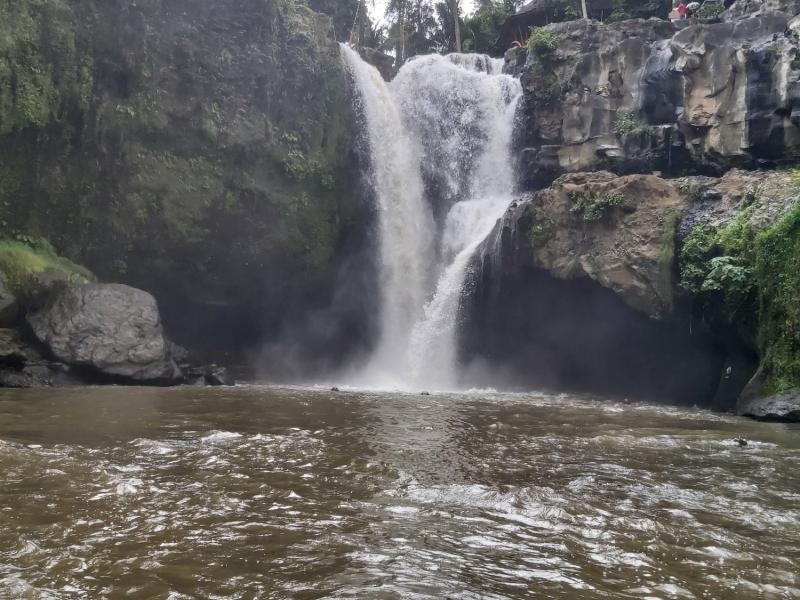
[{"x": 645, "y": 95}]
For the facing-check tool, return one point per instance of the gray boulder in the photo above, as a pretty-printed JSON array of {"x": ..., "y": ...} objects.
[
  {"x": 112, "y": 329},
  {"x": 779, "y": 407}
]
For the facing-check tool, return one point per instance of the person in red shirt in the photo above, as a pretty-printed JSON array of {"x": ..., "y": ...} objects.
[{"x": 682, "y": 10}]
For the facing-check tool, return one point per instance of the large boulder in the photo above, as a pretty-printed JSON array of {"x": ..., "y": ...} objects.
[
  {"x": 784, "y": 406},
  {"x": 615, "y": 231},
  {"x": 112, "y": 329}
]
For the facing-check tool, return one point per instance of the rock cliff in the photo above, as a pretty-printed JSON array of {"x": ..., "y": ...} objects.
[
  {"x": 202, "y": 151},
  {"x": 644, "y": 95}
]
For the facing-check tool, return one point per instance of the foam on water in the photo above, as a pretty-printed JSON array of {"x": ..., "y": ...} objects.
[{"x": 445, "y": 119}]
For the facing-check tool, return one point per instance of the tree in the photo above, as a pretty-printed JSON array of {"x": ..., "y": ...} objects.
[
  {"x": 482, "y": 29},
  {"x": 456, "y": 10}
]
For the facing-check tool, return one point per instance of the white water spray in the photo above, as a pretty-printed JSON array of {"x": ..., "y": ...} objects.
[{"x": 444, "y": 121}]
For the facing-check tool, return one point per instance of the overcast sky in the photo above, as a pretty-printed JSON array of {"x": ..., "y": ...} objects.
[{"x": 377, "y": 8}]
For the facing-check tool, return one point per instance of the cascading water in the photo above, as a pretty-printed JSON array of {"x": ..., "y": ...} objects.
[{"x": 439, "y": 137}]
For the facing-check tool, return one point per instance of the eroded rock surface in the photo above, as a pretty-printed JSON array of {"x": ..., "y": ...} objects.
[
  {"x": 112, "y": 329},
  {"x": 616, "y": 231},
  {"x": 642, "y": 95},
  {"x": 779, "y": 407}
]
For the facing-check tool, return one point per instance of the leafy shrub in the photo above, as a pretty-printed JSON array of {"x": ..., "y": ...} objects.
[
  {"x": 731, "y": 278},
  {"x": 542, "y": 42},
  {"x": 697, "y": 250},
  {"x": 626, "y": 122},
  {"x": 594, "y": 205},
  {"x": 759, "y": 273},
  {"x": 541, "y": 230},
  {"x": 683, "y": 187},
  {"x": 710, "y": 11},
  {"x": 777, "y": 274}
]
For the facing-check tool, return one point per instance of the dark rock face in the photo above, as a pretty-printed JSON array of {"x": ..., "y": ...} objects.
[
  {"x": 588, "y": 285},
  {"x": 9, "y": 306},
  {"x": 641, "y": 95},
  {"x": 383, "y": 62},
  {"x": 22, "y": 366},
  {"x": 576, "y": 291},
  {"x": 200, "y": 150},
  {"x": 114, "y": 330},
  {"x": 780, "y": 407}
]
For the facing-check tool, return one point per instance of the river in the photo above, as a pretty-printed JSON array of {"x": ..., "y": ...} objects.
[{"x": 261, "y": 492}]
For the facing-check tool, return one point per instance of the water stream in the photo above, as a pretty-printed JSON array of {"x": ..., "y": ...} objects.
[
  {"x": 256, "y": 492},
  {"x": 439, "y": 137}
]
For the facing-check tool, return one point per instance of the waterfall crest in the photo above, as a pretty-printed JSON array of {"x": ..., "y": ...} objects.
[{"x": 439, "y": 137}]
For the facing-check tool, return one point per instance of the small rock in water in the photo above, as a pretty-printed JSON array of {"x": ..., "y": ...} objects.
[
  {"x": 741, "y": 441},
  {"x": 335, "y": 389},
  {"x": 425, "y": 394}
]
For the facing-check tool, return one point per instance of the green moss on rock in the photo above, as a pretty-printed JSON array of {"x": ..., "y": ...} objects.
[
  {"x": 196, "y": 149},
  {"x": 21, "y": 261},
  {"x": 777, "y": 272},
  {"x": 752, "y": 279}
]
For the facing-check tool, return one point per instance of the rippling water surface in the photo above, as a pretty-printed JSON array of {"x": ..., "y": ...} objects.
[{"x": 258, "y": 492}]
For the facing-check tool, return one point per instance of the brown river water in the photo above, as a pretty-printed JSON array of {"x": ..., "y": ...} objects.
[{"x": 260, "y": 492}]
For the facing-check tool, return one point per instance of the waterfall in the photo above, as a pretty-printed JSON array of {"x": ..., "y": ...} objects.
[{"x": 439, "y": 137}]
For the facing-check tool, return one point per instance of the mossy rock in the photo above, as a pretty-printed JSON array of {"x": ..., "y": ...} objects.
[
  {"x": 200, "y": 150},
  {"x": 21, "y": 264}
]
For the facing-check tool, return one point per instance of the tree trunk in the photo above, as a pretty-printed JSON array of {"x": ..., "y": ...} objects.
[
  {"x": 400, "y": 59},
  {"x": 585, "y": 12},
  {"x": 457, "y": 23}
]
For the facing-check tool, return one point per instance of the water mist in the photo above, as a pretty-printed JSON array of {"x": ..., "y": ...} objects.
[{"x": 444, "y": 124}]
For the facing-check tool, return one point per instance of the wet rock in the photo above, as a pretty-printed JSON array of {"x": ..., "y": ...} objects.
[
  {"x": 40, "y": 287},
  {"x": 13, "y": 353},
  {"x": 616, "y": 231},
  {"x": 114, "y": 330},
  {"x": 768, "y": 195},
  {"x": 9, "y": 307},
  {"x": 383, "y": 62},
  {"x": 784, "y": 406},
  {"x": 212, "y": 375},
  {"x": 218, "y": 376},
  {"x": 335, "y": 389},
  {"x": 45, "y": 374},
  {"x": 22, "y": 366},
  {"x": 642, "y": 95}
]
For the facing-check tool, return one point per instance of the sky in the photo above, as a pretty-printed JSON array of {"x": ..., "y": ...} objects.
[{"x": 377, "y": 8}]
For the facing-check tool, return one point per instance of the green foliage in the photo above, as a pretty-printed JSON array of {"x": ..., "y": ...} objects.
[
  {"x": 21, "y": 259},
  {"x": 777, "y": 273},
  {"x": 594, "y": 206},
  {"x": 683, "y": 187},
  {"x": 626, "y": 122},
  {"x": 720, "y": 261},
  {"x": 542, "y": 42},
  {"x": 43, "y": 72},
  {"x": 729, "y": 276},
  {"x": 753, "y": 274},
  {"x": 793, "y": 178},
  {"x": 482, "y": 28},
  {"x": 541, "y": 230},
  {"x": 697, "y": 250},
  {"x": 541, "y": 53},
  {"x": 636, "y": 9},
  {"x": 710, "y": 11}
]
